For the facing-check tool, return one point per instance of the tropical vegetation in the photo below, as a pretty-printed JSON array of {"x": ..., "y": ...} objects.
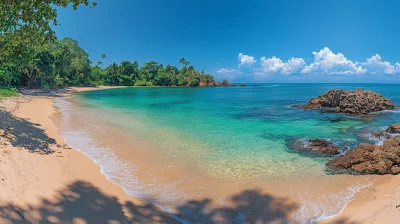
[{"x": 31, "y": 55}]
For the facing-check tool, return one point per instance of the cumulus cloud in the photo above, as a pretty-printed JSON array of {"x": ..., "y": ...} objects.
[
  {"x": 231, "y": 71},
  {"x": 327, "y": 62},
  {"x": 246, "y": 60},
  {"x": 276, "y": 65},
  {"x": 375, "y": 65}
]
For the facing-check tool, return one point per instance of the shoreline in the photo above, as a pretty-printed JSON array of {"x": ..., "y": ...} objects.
[
  {"x": 369, "y": 200},
  {"x": 375, "y": 204},
  {"x": 34, "y": 182}
]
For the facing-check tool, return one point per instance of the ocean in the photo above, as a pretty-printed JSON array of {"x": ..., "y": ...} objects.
[{"x": 222, "y": 154}]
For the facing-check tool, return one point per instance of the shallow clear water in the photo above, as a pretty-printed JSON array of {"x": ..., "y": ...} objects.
[{"x": 237, "y": 133}]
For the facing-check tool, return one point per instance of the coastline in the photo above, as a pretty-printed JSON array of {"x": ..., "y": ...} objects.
[
  {"x": 57, "y": 183},
  {"x": 376, "y": 204},
  {"x": 34, "y": 182}
]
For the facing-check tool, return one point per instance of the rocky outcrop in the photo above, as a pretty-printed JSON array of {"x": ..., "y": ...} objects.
[
  {"x": 370, "y": 159},
  {"x": 394, "y": 129},
  {"x": 214, "y": 84},
  {"x": 314, "y": 147},
  {"x": 217, "y": 84},
  {"x": 203, "y": 83},
  {"x": 357, "y": 102},
  {"x": 243, "y": 85}
]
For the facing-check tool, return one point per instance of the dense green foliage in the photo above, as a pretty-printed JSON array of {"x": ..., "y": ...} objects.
[
  {"x": 150, "y": 74},
  {"x": 31, "y": 56},
  {"x": 25, "y": 32},
  {"x": 65, "y": 63}
]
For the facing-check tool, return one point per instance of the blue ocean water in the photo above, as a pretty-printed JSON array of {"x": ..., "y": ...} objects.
[{"x": 239, "y": 133}]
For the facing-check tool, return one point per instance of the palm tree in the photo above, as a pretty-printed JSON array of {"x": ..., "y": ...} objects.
[
  {"x": 113, "y": 72},
  {"x": 184, "y": 62}
]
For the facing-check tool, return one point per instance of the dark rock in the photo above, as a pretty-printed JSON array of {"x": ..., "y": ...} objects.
[
  {"x": 370, "y": 159},
  {"x": 336, "y": 119},
  {"x": 315, "y": 147},
  {"x": 243, "y": 85},
  {"x": 357, "y": 102},
  {"x": 255, "y": 85},
  {"x": 394, "y": 129}
]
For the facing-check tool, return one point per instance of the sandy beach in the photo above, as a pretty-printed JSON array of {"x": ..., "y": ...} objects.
[
  {"x": 376, "y": 204},
  {"x": 43, "y": 180}
]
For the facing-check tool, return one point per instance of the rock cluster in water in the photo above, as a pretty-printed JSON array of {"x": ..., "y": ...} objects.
[
  {"x": 215, "y": 84},
  {"x": 370, "y": 159},
  {"x": 365, "y": 158},
  {"x": 315, "y": 147},
  {"x": 357, "y": 102}
]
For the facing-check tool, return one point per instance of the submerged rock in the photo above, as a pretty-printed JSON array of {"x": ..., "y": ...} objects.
[
  {"x": 394, "y": 129},
  {"x": 370, "y": 159},
  {"x": 372, "y": 135},
  {"x": 315, "y": 147},
  {"x": 357, "y": 102},
  {"x": 378, "y": 136}
]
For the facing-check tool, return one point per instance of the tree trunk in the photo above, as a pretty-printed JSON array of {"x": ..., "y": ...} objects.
[{"x": 11, "y": 77}]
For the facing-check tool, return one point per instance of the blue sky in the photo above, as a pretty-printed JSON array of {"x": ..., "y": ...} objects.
[{"x": 247, "y": 41}]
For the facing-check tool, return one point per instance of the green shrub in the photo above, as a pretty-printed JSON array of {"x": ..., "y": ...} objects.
[{"x": 5, "y": 92}]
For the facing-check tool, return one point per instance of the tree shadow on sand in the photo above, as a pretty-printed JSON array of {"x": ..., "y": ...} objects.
[
  {"x": 81, "y": 202},
  {"x": 250, "y": 206},
  {"x": 24, "y": 134}
]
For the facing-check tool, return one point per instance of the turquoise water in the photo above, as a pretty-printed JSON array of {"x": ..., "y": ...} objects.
[
  {"x": 239, "y": 130},
  {"x": 238, "y": 133}
]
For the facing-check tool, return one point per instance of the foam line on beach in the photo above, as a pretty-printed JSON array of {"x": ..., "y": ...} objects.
[
  {"x": 352, "y": 190},
  {"x": 81, "y": 142}
]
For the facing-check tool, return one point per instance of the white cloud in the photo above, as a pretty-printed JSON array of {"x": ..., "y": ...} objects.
[
  {"x": 246, "y": 60},
  {"x": 276, "y": 65},
  {"x": 375, "y": 65},
  {"x": 327, "y": 62},
  {"x": 231, "y": 71}
]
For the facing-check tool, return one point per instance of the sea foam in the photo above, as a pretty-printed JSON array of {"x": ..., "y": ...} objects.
[
  {"x": 328, "y": 206},
  {"x": 115, "y": 169}
]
